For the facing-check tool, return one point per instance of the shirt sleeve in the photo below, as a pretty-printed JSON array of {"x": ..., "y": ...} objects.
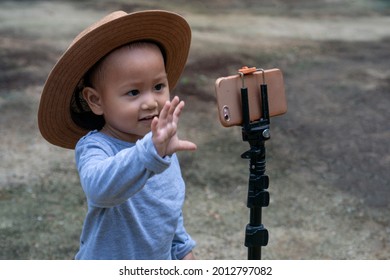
[
  {"x": 182, "y": 242},
  {"x": 109, "y": 180}
]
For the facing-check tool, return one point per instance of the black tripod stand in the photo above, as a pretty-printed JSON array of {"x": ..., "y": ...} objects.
[{"x": 256, "y": 133}]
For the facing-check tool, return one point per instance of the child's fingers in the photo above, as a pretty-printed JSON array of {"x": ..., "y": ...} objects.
[
  {"x": 185, "y": 145},
  {"x": 165, "y": 110},
  {"x": 177, "y": 112},
  {"x": 175, "y": 101},
  {"x": 154, "y": 124}
]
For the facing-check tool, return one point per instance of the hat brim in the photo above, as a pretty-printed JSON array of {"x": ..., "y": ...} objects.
[{"x": 169, "y": 30}]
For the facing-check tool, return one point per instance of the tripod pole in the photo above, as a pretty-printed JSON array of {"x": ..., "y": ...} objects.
[
  {"x": 258, "y": 197},
  {"x": 256, "y": 134}
]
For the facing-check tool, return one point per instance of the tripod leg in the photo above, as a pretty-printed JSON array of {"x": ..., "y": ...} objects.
[
  {"x": 254, "y": 253},
  {"x": 256, "y": 235}
]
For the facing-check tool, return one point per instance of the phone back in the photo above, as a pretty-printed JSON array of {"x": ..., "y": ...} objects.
[{"x": 228, "y": 91}]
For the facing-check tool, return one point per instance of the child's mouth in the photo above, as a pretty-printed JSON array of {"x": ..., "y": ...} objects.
[{"x": 148, "y": 118}]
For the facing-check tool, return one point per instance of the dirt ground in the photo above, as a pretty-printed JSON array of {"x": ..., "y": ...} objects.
[{"x": 328, "y": 158}]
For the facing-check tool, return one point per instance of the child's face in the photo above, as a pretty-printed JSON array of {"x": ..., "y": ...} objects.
[{"x": 132, "y": 89}]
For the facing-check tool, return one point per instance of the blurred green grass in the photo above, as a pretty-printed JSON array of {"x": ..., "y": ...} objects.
[{"x": 42, "y": 221}]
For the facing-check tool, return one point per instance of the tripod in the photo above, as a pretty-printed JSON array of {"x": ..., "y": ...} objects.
[{"x": 256, "y": 133}]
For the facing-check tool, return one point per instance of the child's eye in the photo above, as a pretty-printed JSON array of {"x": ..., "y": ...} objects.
[
  {"x": 133, "y": 92},
  {"x": 159, "y": 87}
]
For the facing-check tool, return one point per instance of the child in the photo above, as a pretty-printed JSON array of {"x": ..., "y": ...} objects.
[{"x": 108, "y": 97}]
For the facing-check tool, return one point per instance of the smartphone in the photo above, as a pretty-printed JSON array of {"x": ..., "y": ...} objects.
[{"x": 228, "y": 92}]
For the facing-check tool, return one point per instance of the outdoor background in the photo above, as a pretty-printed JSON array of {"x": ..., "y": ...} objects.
[{"x": 328, "y": 158}]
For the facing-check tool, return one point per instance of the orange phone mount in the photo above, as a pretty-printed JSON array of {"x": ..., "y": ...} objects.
[{"x": 247, "y": 70}]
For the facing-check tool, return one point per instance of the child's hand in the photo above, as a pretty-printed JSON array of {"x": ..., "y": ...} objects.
[{"x": 164, "y": 130}]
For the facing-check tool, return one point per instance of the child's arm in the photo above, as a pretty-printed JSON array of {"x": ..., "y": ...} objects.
[
  {"x": 182, "y": 244},
  {"x": 109, "y": 180},
  {"x": 164, "y": 129}
]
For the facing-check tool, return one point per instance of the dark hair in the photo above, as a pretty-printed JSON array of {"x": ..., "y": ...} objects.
[{"x": 80, "y": 112}]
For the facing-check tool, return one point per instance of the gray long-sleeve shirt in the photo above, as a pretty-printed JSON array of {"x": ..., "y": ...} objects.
[{"x": 135, "y": 200}]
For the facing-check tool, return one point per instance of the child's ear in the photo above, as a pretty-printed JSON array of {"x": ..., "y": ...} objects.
[{"x": 93, "y": 99}]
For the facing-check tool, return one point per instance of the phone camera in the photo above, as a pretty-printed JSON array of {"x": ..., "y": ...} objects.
[{"x": 226, "y": 113}]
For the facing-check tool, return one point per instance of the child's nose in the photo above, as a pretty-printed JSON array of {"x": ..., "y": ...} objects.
[{"x": 149, "y": 102}]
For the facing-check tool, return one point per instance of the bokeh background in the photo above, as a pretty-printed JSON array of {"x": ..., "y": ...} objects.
[{"x": 328, "y": 158}]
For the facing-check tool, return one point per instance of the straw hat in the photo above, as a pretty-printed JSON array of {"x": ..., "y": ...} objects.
[{"x": 169, "y": 30}]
